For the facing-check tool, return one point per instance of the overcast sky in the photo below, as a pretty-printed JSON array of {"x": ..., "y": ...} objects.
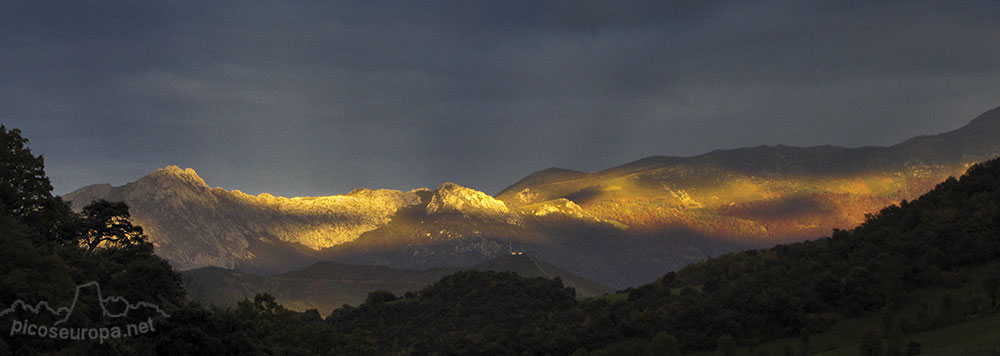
[{"x": 318, "y": 98}]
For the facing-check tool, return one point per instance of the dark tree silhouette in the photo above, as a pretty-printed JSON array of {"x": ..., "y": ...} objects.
[
  {"x": 108, "y": 223},
  {"x": 24, "y": 188},
  {"x": 25, "y": 191}
]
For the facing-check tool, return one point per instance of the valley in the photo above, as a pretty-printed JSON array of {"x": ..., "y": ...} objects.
[{"x": 325, "y": 286}]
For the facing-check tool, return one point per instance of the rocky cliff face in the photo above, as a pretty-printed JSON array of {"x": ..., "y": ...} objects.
[
  {"x": 451, "y": 197},
  {"x": 193, "y": 225}
]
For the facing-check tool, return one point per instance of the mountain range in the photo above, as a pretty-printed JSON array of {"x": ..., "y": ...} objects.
[{"x": 621, "y": 226}]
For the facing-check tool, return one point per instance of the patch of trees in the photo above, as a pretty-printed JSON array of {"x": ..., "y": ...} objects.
[{"x": 46, "y": 250}]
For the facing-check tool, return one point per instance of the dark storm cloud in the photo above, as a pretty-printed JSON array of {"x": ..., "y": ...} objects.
[{"x": 307, "y": 98}]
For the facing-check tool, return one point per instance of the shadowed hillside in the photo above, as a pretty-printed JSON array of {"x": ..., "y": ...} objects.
[{"x": 326, "y": 285}]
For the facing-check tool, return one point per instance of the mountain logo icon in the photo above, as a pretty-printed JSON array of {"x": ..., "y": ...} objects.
[
  {"x": 111, "y": 307},
  {"x": 66, "y": 312}
]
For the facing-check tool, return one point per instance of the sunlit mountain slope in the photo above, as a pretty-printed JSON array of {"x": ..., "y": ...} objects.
[
  {"x": 764, "y": 194},
  {"x": 620, "y": 226}
]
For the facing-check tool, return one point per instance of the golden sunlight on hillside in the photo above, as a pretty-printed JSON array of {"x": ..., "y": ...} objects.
[{"x": 732, "y": 206}]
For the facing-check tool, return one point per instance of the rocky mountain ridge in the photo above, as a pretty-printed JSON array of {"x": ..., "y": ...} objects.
[
  {"x": 193, "y": 225},
  {"x": 619, "y": 226},
  {"x": 766, "y": 193}
]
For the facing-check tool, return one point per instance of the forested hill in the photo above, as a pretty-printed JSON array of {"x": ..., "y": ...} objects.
[
  {"x": 745, "y": 298},
  {"x": 779, "y": 291},
  {"x": 325, "y": 286}
]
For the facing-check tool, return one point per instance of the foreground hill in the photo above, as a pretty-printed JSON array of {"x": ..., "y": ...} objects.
[
  {"x": 621, "y": 227},
  {"x": 327, "y": 285}
]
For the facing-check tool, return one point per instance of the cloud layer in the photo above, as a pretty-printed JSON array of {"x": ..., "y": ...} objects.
[{"x": 312, "y": 98}]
